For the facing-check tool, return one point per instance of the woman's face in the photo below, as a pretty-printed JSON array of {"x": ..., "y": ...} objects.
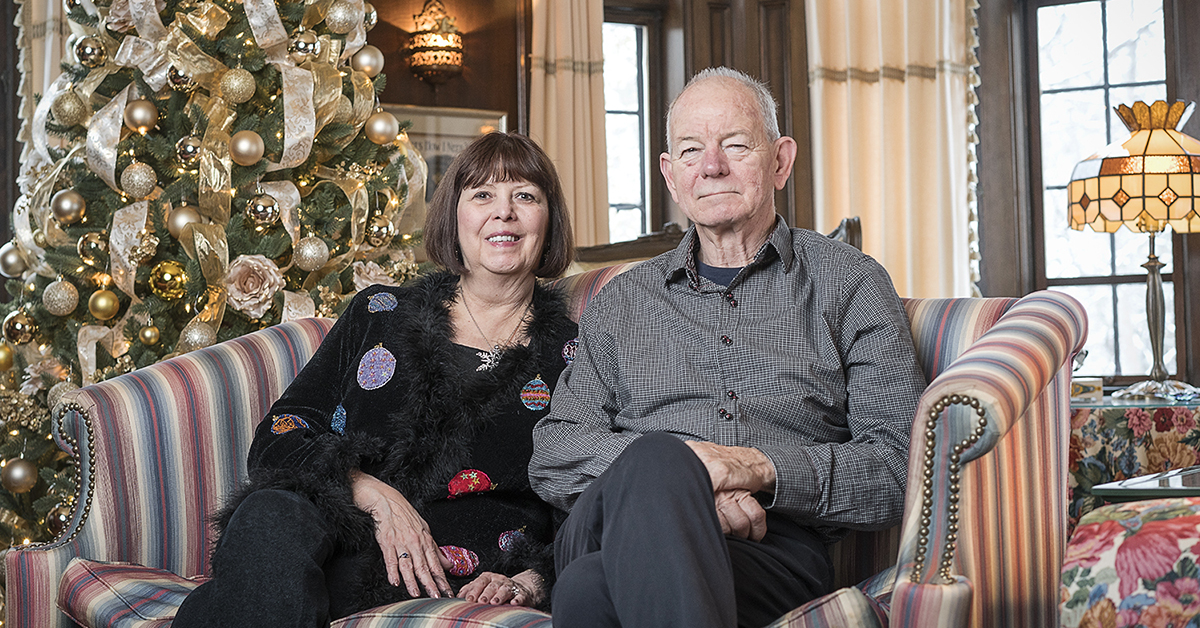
[{"x": 502, "y": 227}]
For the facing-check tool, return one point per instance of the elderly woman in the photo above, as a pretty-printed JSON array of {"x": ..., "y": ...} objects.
[{"x": 394, "y": 466}]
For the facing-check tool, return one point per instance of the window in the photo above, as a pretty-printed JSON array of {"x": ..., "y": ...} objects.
[
  {"x": 1093, "y": 55},
  {"x": 627, "y": 131}
]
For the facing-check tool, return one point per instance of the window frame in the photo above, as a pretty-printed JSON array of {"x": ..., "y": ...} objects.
[{"x": 1010, "y": 181}]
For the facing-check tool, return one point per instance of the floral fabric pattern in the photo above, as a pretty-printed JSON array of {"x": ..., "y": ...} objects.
[
  {"x": 1109, "y": 444},
  {"x": 1134, "y": 565}
]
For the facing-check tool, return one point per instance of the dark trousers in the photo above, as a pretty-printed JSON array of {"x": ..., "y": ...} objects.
[
  {"x": 275, "y": 565},
  {"x": 643, "y": 547}
]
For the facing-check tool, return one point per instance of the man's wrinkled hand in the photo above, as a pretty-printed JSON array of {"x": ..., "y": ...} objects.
[
  {"x": 735, "y": 467},
  {"x": 741, "y": 515}
]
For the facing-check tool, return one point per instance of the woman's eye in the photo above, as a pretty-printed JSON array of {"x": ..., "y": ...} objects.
[
  {"x": 526, "y": 196},
  {"x": 481, "y": 195}
]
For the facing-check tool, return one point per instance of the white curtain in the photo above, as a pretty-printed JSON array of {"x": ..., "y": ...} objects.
[
  {"x": 566, "y": 107},
  {"x": 893, "y": 129},
  {"x": 43, "y": 29}
]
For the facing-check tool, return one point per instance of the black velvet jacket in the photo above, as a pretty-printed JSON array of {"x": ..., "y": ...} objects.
[{"x": 387, "y": 392}]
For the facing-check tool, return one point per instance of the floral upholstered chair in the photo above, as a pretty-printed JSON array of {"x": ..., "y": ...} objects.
[{"x": 981, "y": 542}]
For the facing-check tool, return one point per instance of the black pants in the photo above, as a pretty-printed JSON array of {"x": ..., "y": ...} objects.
[
  {"x": 275, "y": 565},
  {"x": 643, "y": 547}
]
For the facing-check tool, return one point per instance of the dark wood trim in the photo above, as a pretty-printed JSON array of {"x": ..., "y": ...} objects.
[
  {"x": 524, "y": 24},
  {"x": 10, "y": 79},
  {"x": 800, "y": 123},
  {"x": 1181, "y": 19}
]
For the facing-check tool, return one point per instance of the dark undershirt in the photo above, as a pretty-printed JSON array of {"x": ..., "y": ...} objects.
[{"x": 716, "y": 274}]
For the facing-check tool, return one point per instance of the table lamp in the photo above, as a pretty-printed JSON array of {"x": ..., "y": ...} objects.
[{"x": 1146, "y": 183}]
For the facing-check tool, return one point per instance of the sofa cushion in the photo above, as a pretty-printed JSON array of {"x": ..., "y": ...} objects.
[
  {"x": 844, "y": 607},
  {"x": 1134, "y": 564},
  {"x": 124, "y": 595}
]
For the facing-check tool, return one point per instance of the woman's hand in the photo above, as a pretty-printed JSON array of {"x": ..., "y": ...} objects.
[
  {"x": 408, "y": 548},
  {"x": 523, "y": 589}
]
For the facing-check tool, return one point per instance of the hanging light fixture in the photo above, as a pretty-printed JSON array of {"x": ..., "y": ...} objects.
[{"x": 435, "y": 48}]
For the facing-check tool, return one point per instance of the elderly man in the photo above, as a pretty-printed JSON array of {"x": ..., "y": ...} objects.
[{"x": 735, "y": 404}]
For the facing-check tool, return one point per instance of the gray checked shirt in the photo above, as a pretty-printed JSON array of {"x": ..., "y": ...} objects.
[{"x": 806, "y": 356}]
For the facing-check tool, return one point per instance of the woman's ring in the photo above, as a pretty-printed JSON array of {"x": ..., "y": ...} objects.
[
  {"x": 516, "y": 589},
  {"x": 403, "y": 554}
]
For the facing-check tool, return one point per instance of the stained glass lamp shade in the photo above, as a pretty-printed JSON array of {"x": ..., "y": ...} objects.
[{"x": 1147, "y": 183}]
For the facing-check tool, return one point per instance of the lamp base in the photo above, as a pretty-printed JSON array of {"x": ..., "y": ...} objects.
[{"x": 1170, "y": 390}]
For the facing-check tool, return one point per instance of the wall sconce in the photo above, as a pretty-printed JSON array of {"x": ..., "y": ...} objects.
[{"x": 435, "y": 49}]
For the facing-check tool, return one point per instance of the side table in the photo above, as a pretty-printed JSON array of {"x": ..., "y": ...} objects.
[{"x": 1117, "y": 439}]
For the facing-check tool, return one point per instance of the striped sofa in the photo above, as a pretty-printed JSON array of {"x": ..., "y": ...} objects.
[{"x": 981, "y": 543}]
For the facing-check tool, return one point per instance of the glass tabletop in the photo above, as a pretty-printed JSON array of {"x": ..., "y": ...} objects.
[{"x": 1174, "y": 483}]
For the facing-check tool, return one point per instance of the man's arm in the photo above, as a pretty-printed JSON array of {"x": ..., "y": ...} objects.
[
  {"x": 831, "y": 482},
  {"x": 576, "y": 442}
]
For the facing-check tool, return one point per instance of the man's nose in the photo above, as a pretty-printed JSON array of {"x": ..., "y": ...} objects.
[{"x": 714, "y": 162}]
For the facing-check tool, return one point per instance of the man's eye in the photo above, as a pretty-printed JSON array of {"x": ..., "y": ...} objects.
[{"x": 688, "y": 151}]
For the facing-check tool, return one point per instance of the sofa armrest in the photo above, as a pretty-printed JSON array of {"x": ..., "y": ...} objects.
[{"x": 156, "y": 451}]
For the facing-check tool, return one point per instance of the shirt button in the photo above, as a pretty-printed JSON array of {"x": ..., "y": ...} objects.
[
  {"x": 727, "y": 340},
  {"x": 733, "y": 303},
  {"x": 731, "y": 395},
  {"x": 723, "y": 413}
]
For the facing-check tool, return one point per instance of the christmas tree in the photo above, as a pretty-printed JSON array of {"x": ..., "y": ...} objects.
[{"x": 200, "y": 170}]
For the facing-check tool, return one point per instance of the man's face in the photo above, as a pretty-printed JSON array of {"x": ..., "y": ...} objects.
[{"x": 722, "y": 169}]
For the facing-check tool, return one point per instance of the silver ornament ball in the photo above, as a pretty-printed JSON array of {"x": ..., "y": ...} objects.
[
  {"x": 370, "y": 15},
  {"x": 311, "y": 253},
  {"x": 68, "y": 206},
  {"x": 68, "y": 108},
  {"x": 60, "y": 298},
  {"x": 180, "y": 217},
  {"x": 382, "y": 127},
  {"x": 304, "y": 47},
  {"x": 90, "y": 247},
  {"x": 195, "y": 335},
  {"x": 90, "y": 52},
  {"x": 237, "y": 86},
  {"x": 379, "y": 231},
  {"x": 19, "y": 475},
  {"x": 263, "y": 210},
  {"x": 187, "y": 149},
  {"x": 246, "y": 148},
  {"x": 179, "y": 81},
  {"x": 141, "y": 115},
  {"x": 12, "y": 263},
  {"x": 138, "y": 180},
  {"x": 368, "y": 60},
  {"x": 342, "y": 18}
]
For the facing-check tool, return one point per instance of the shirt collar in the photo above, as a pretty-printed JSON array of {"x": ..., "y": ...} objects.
[{"x": 682, "y": 260}]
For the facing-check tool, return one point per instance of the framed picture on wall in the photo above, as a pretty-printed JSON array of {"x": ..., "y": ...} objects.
[{"x": 440, "y": 133}]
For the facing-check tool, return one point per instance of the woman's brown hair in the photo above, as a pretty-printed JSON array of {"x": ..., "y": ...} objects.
[{"x": 499, "y": 157}]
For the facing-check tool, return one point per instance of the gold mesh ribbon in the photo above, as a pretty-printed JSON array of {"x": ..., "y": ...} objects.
[
  {"x": 125, "y": 234},
  {"x": 34, "y": 208},
  {"x": 268, "y": 29},
  {"x": 299, "y": 116},
  {"x": 216, "y": 194},
  {"x": 111, "y": 338},
  {"x": 287, "y": 196},
  {"x": 206, "y": 244},
  {"x": 297, "y": 305},
  {"x": 103, "y": 135}
]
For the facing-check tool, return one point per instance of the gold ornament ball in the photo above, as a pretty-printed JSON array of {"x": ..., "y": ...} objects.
[
  {"x": 368, "y": 60},
  {"x": 12, "y": 264},
  {"x": 139, "y": 180},
  {"x": 68, "y": 108},
  {"x": 57, "y": 391},
  {"x": 237, "y": 86},
  {"x": 370, "y": 15},
  {"x": 104, "y": 304},
  {"x": 19, "y": 327},
  {"x": 379, "y": 231},
  {"x": 141, "y": 115},
  {"x": 168, "y": 280},
  {"x": 149, "y": 335},
  {"x": 311, "y": 253},
  {"x": 180, "y": 217},
  {"x": 304, "y": 47},
  {"x": 342, "y": 18},
  {"x": 195, "y": 335},
  {"x": 19, "y": 475},
  {"x": 179, "y": 81},
  {"x": 262, "y": 210},
  {"x": 6, "y": 356},
  {"x": 382, "y": 127},
  {"x": 68, "y": 206},
  {"x": 60, "y": 298},
  {"x": 90, "y": 52},
  {"x": 39, "y": 238},
  {"x": 187, "y": 149},
  {"x": 91, "y": 247},
  {"x": 246, "y": 148}
]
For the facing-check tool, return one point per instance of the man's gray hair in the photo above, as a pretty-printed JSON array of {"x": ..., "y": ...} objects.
[{"x": 766, "y": 102}]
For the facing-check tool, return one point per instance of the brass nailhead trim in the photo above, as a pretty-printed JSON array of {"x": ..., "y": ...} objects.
[
  {"x": 923, "y": 540},
  {"x": 63, "y": 409}
]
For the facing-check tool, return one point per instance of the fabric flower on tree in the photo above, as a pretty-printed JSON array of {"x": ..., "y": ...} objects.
[
  {"x": 252, "y": 281},
  {"x": 369, "y": 273}
]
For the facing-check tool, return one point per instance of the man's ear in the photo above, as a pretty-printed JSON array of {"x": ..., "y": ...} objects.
[
  {"x": 785, "y": 158},
  {"x": 664, "y": 166}
]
